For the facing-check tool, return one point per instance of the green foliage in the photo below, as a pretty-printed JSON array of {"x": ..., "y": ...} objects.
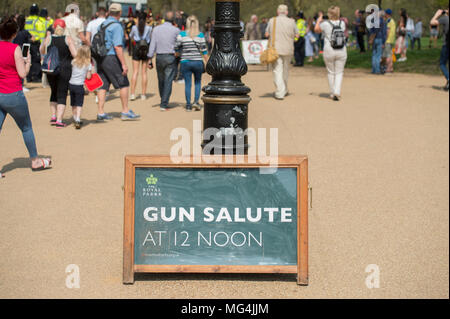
[{"x": 264, "y": 8}]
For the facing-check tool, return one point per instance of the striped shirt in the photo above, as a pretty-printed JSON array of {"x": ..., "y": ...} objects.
[{"x": 191, "y": 49}]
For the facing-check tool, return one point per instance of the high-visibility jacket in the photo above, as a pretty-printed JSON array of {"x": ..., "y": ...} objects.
[
  {"x": 301, "y": 26},
  {"x": 36, "y": 27}
]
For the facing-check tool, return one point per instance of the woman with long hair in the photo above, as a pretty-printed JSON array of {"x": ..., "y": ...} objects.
[
  {"x": 81, "y": 70},
  {"x": 140, "y": 38},
  {"x": 59, "y": 83},
  {"x": 192, "y": 48},
  {"x": 400, "y": 44},
  {"x": 334, "y": 57},
  {"x": 13, "y": 68}
]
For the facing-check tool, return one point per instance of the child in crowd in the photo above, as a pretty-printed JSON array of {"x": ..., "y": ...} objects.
[{"x": 81, "y": 70}]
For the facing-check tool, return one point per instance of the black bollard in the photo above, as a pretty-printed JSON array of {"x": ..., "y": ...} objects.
[{"x": 226, "y": 99}]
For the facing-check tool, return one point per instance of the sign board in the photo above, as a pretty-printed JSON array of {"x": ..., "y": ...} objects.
[
  {"x": 215, "y": 218},
  {"x": 252, "y": 50}
]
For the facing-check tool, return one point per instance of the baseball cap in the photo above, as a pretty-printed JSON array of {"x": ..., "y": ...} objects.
[
  {"x": 388, "y": 11},
  {"x": 59, "y": 23},
  {"x": 115, "y": 7},
  {"x": 73, "y": 7}
]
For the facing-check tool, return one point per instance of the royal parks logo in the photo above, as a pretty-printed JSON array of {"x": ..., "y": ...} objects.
[{"x": 151, "y": 190}]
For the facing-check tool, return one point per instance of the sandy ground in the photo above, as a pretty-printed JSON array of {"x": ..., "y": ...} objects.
[{"x": 378, "y": 167}]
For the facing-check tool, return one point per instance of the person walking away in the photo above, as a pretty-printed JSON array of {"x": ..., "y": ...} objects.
[
  {"x": 252, "y": 29},
  {"x": 388, "y": 64},
  {"x": 377, "y": 36},
  {"x": 434, "y": 33},
  {"x": 335, "y": 51},
  {"x": 34, "y": 26},
  {"x": 299, "y": 45},
  {"x": 13, "y": 68},
  {"x": 417, "y": 35},
  {"x": 162, "y": 46},
  {"x": 191, "y": 46},
  {"x": 92, "y": 27},
  {"x": 441, "y": 18},
  {"x": 310, "y": 41},
  {"x": 74, "y": 25},
  {"x": 282, "y": 31},
  {"x": 46, "y": 21},
  {"x": 59, "y": 83},
  {"x": 81, "y": 70},
  {"x": 113, "y": 68},
  {"x": 140, "y": 39}
]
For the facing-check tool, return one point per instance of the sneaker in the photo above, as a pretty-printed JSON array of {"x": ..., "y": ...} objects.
[
  {"x": 163, "y": 109},
  {"x": 25, "y": 90},
  {"x": 132, "y": 97},
  {"x": 196, "y": 106},
  {"x": 130, "y": 116},
  {"x": 336, "y": 98},
  {"x": 78, "y": 125},
  {"x": 402, "y": 59},
  {"x": 60, "y": 124},
  {"x": 53, "y": 121},
  {"x": 188, "y": 108},
  {"x": 104, "y": 117},
  {"x": 446, "y": 88},
  {"x": 143, "y": 97}
]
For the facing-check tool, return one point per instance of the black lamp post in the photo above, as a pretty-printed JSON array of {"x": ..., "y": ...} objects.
[{"x": 226, "y": 98}]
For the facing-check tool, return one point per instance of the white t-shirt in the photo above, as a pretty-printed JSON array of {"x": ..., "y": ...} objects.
[
  {"x": 327, "y": 29},
  {"x": 74, "y": 26},
  {"x": 93, "y": 26},
  {"x": 79, "y": 74}
]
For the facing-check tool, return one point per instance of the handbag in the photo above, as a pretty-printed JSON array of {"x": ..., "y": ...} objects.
[
  {"x": 270, "y": 55},
  {"x": 94, "y": 83}
]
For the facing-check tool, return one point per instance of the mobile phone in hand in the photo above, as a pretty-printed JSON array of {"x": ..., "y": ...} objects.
[{"x": 25, "y": 50}]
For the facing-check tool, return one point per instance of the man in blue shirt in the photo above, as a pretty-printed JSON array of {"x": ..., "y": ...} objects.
[
  {"x": 377, "y": 36},
  {"x": 163, "y": 43},
  {"x": 113, "y": 69}
]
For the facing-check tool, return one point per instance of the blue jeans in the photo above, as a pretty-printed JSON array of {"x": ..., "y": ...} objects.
[
  {"x": 444, "y": 61},
  {"x": 187, "y": 69},
  {"x": 409, "y": 38},
  {"x": 16, "y": 105},
  {"x": 166, "y": 67},
  {"x": 377, "y": 51}
]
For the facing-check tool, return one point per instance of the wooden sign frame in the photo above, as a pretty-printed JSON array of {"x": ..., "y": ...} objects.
[{"x": 129, "y": 268}]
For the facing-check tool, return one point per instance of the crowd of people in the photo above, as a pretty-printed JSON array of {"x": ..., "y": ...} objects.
[{"x": 179, "y": 46}]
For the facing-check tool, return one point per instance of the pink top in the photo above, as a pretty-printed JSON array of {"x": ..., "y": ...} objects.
[{"x": 10, "y": 81}]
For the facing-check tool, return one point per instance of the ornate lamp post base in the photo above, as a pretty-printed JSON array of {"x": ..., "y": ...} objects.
[{"x": 226, "y": 97}]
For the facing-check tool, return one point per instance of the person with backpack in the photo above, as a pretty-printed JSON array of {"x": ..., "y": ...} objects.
[
  {"x": 13, "y": 68},
  {"x": 140, "y": 40},
  {"x": 335, "y": 50},
  {"x": 191, "y": 47},
  {"x": 108, "y": 50},
  {"x": 58, "y": 51}
]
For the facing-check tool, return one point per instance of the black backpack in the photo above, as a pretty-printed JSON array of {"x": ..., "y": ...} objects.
[
  {"x": 142, "y": 48},
  {"x": 337, "y": 39},
  {"x": 98, "y": 47}
]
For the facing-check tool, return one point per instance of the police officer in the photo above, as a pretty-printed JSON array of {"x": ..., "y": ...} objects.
[
  {"x": 46, "y": 21},
  {"x": 299, "y": 45},
  {"x": 34, "y": 25}
]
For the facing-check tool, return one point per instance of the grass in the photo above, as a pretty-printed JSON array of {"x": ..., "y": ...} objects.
[{"x": 424, "y": 61}]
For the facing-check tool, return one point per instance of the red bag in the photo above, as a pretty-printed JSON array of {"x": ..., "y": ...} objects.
[{"x": 94, "y": 83}]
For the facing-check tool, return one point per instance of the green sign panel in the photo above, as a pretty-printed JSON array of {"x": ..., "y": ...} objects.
[{"x": 215, "y": 216}]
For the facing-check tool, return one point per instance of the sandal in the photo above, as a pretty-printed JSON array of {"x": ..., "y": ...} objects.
[{"x": 46, "y": 162}]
